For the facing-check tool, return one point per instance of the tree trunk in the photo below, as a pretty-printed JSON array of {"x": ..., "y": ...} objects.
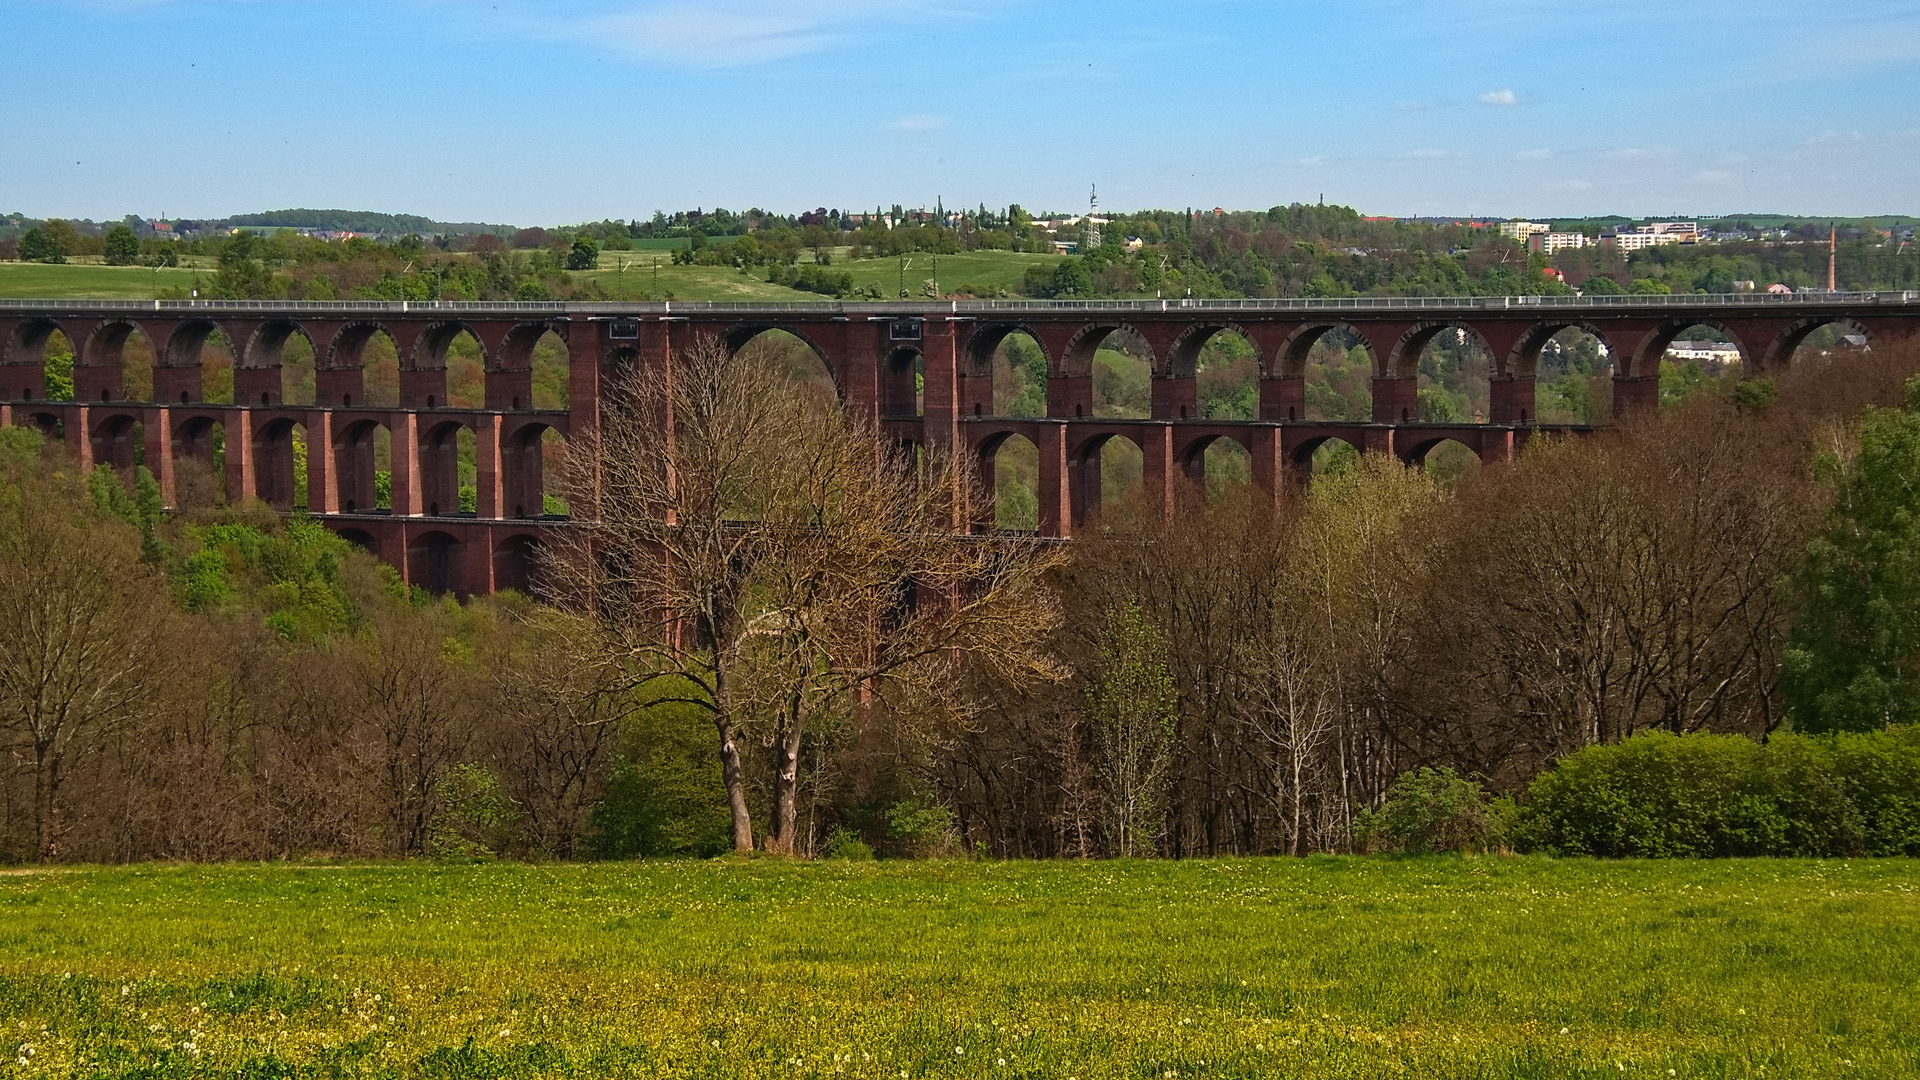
[
  {"x": 786, "y": 790},
  {"x": 736, "y": 786}
]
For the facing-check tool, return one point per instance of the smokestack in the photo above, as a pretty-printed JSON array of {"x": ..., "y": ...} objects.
[{"x": 1832, "y": 249}]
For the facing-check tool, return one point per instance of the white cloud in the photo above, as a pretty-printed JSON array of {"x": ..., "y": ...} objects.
[
  {"x": 1499, "y": 97},
  {"x": 1639, "y": 153},
  {"x": 1320, "y": 160},
  {"x": 1534, "y": 155},
  {"x": 1429, "y": 154}
]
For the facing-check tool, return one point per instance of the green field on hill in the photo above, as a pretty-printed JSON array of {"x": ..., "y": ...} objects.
[
  {"x": 634, "y": 273},
  {"x": 76, "y": 281},
  {"x": 1321, "y": 967}
]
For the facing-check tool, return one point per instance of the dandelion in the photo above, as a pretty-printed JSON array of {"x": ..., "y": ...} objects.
[
  {"x": 1563, "y": 1031},
  {"x": 959, "y": 1051},
  {"x": 1002, "y": 1062}
]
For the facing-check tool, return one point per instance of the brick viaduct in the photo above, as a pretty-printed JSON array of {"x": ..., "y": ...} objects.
[{"x": 872, "y": 351}]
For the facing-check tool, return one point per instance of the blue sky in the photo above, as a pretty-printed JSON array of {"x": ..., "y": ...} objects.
[{"x": 565, "y": 110}]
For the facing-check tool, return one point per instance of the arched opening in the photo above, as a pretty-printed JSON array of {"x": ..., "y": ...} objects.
[
  {"x": 117, "y": 440},
  {"x": 1122, "y": 377},
  {"x": 359, "y": 538},
  {"x": 363, "y": 369},
  {"x": 903, "y": 384},
  {"x": 298, "y": 378},
  {"x": 1454, "y": 368},
  {"x": 793, "y": 357},
  {"x": 197, "y": 362},
  {"x": 1326, "y": 457},
  {"x": 362, "y": 457},
  {"x": 199, "y": 463},
  {"x": 1815, "y": 341},
  {"x": 551, "y": 367},
  {"x": 447, "y": 475},
  {"x": 1010, "y": 478},
  {"x": 1692, "y": 359},
  {"x": 1106, "y": 469},
  {"x": 453, "y": 350},
  {"x": 56, "y": 366},
  {"x": 1449, "y": 463},
  {"x": 280, "y": 464},
  {"x": 516, "y": 564},
  {"x": 1018, "y": 369},
  {"x": 1338, "y": 371},
  {"x": 1573, "y": 379},
  {"x": 24, "y": 354},
  {"x": 1218, "y": 464},
  {"x": 1227, "y": 378},
  {"x": 433, "y": 562},
  {"x": 531, "y": 457},
  {"x": 119, "y": 365}
]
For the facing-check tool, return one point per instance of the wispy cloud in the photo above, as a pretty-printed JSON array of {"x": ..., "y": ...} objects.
[
  {"x": 1312, "y": 161},
  {"x": 1534, "y": 155},
  {"x": 1429, "y": 153},
  {"x": 739, "y": 33},
  {"x": 1500, "y": 97}
]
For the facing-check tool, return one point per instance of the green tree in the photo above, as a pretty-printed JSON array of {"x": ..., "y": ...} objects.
[
  {"x": 1130, "y": 715},
  {"x": 585, "y": 254},
  {"x": 1601, "y": 285},
  {"x": 37, "y": 246},
  {"x": 123, "y": 248},
  {"x": 1853, "y": 658}
]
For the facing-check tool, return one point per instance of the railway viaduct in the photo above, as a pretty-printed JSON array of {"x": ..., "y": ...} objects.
[{"x": 874, "y": 352}]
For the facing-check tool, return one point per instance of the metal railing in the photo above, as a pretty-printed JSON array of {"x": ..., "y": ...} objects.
[{"x": 923, "y": 309}]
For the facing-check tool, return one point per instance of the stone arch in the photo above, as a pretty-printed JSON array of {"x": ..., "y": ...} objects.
[
  {"x": 433, "y": 562},
  {"x": 1013, "y": 362},
  {"x": 1213, "y": 460},
  {"x": 359, "y": 538},
  {"x": 516, "y": 563},
  {"x": 1448, "y": 461},
  {"x": 344, "y": 376},
  {"x": 1183, "y": 356},
  {"x": 115, "y": 440},
  {"x": 740, "y": 337},
  {"x": 1076, "y": 359},
  {"x": 444, "y": 457},
  {"x": 452, "y": 362},
  {"x": 1780, "y": 352},
  {"x": 530, "y": 369},
  {"x": 1645, "y": 360},
  {"x": 273, "y": 375},
  {"x": 23, "y": 359},
  {"x": 111, "y": 372},
  {"x": 196, "y": 470},
  {"x": 181, "y": 365},
  {"x": 1009, "y": 469},
  {"x": 1570, "y": 365},
  {"x": 528, "y": 454},
  {"x": 356, "y": 465},
  {"x": 1225, "y": 366},
  {"x": 1314, "y": 455},
  {"x": 1103, "y": 468},
  {"x": 1459, "y": 386},
  {"x": 279, "y": 476},
  {"x": 1289, "y": 361},
  {"x": 900, "y": 390}
]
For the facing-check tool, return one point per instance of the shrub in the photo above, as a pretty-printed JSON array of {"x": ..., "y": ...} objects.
[
  {"x": 1430, "y": 810},
  {"x": 1665, "y": 796},
  {"x": 842, "y": 844},
  {"x": 921, "y": 829}
]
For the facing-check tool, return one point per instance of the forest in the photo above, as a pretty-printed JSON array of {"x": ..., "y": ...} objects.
[
  {"x": 1286, "y": 251},
  {"x": 1249, "y": 677}
]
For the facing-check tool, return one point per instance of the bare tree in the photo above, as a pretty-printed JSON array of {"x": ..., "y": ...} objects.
[
  {"x": 759, "y": 555},
  {"x": 84, "y": 639}
]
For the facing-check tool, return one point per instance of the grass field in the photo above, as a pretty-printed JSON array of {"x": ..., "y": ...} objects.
[
  {"x": 624, "y": 273},
  {"x": 39, "y": 281},
  {"x": 1324, "y": 967}
]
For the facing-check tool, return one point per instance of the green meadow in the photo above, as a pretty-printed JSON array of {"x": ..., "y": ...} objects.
[
  {"x": 1320, "y": 967},
  {"x": 78, "y": 281}
]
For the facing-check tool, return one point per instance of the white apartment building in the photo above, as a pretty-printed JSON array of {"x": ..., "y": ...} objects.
[
  {"x": 1658, "y": 232},
  {"x": 1561, "y": 241},
  {"x": 1521, "y": 230}
]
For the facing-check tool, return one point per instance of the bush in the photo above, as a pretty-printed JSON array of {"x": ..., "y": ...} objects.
[
  {"x": 842, "y": 844},
  {"x": 1698, "y": 796},
  {"x": 921, "y": 829},
  {"x": 1431, "y": 810}
]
